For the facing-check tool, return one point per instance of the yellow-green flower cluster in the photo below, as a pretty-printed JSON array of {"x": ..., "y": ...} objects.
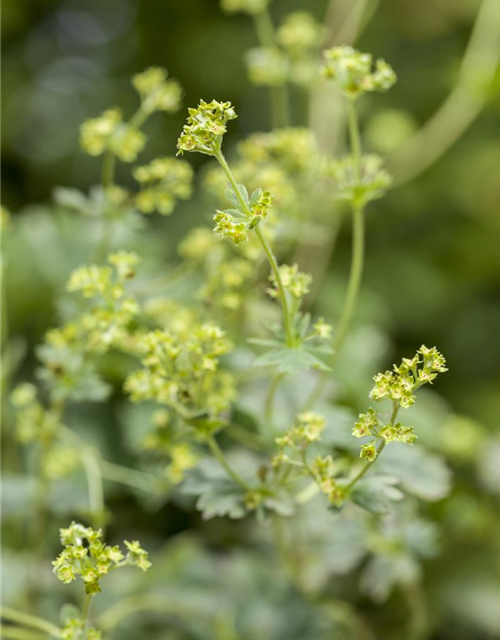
[
  {"x": 299, "y": 32},
  {"x": 267, "y": 66},
  {"x": 109, "y": 132},
  {"x": 227, "y": 284},
  {"x": 355, "y": 72},
  {"x": 163, "y": 181},
  {"x": 181, "y": 369},
  {"x": 259, "y": 207},
  {"x": 77, "y": 629},
  {"x": 183, "y": 458},
  {"x": 324, "y": 473},
  {"x": 205, "y": 127},
  {"x": 247, "y": 6},
  {"x": 399, "y": 385},
  {"x": 106, "y": 323},
  {"x": 294, "y": 281},
  {"x": 293, "y": 148},
  {"x": 308, "y": 429},
  {"x": 359, "y": 182},
  {"x": 322, "y": 329},
  {"x": 85, "y": 555},
  {"x": 197, "y": 245},
  {"x": 228, "y": 227},
  {"x": 157, "y": 92},
  {"x": 32, "y": 421}
]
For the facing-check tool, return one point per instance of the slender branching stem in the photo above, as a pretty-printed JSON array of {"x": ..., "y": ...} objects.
[
  {"x": 380, "y": 448},
  {"x": 222, "y": 460},
  {"x": 270, "y": 397},
  {"x": 287, "y": 319}
]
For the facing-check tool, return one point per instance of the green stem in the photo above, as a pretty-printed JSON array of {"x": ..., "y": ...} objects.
[
  {"x": 139, "y": 117},
  {"x": 419, "y": 615},
  {"x": 87, "y": 603},
  {"x": 357, "y": 260},
  {"x": 28, "y": 620},
  {"x": 221, "y": 459},
  {"x": 17, "y": 633},
  {"x": 92, "y": 469},
  {"x": 288, "y": 324},
  {"x": 355, "y": 141},
  {"x": 279, "y": 94},
  {"x": 127, "y": 476},
  {"x": 380, "y": 448},
  {"x": 271, "y": 394},
  {"x": 108, "y": 169},
  {"x": 140, "y": 604}
]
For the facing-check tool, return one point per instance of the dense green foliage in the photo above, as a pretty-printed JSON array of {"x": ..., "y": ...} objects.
[{"x": 198, "y": 341}]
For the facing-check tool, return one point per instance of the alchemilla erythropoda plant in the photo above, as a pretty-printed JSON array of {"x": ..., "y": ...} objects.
[{"x": 231, "y": 386}]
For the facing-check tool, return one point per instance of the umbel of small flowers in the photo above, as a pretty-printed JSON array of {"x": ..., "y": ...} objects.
[
  {"x": 205, "y": 127},
  {"x": 85, "y": 555},
  {"x": 109, "y": 132},
  {"x": 354, "y": 72},
  {"x": 399, "y": 386}
]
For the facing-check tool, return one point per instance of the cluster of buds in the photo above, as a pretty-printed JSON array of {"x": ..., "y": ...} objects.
[
  {"x": 227, "y": 226},
  {"x": 299, "y": 32},
  {"x": 205, "y": 127},
  {"x": 322, "y": 329},
  {"x": 181, "y": 368},
  {"x": 85, "y": 555},
  {"x": 355, "y": 72},
  {"x": 228, "y": 283},
  {"x": 308, "y": 429},
  {"x": 294, "y": 149},
  {"x": 107, "y": 321},
  {"x": 109, "y": 132},
  {"x": 294, "y": 281},
  {"x": 260, "y": 203},
  {"x": 163, "y": 181},
  {"x": 359, "y": 181},
  {"x": 156, "y": 91},
  {"x": 399, "y": 385},
  {"x": 267, "y": 66},
  {"x": 323, "y": 470}
]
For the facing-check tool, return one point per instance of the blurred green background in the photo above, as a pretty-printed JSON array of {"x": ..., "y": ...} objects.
[{"x": 433, "y": 244}]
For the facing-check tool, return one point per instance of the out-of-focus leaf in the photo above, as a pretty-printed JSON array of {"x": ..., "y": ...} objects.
[
  {"x": 291, "y": 361},
  {"x": 376, "y": 493},
  {"x": 18, "y": 492},
  {"x": 421, "y": 473},
  {"x": 217, "y": 494},
  {"x": 384, "y": 572}
]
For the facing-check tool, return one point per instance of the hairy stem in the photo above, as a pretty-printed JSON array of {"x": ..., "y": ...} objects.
[
  {"x": 380, "y": 448},
  {"x": 86, "y": 609},
  {"x": 222, "y": 460},
  {"x": 287, "y": 319},
  {"x": 357, "y": 260},
  {"x": 271, "y": 395}
]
